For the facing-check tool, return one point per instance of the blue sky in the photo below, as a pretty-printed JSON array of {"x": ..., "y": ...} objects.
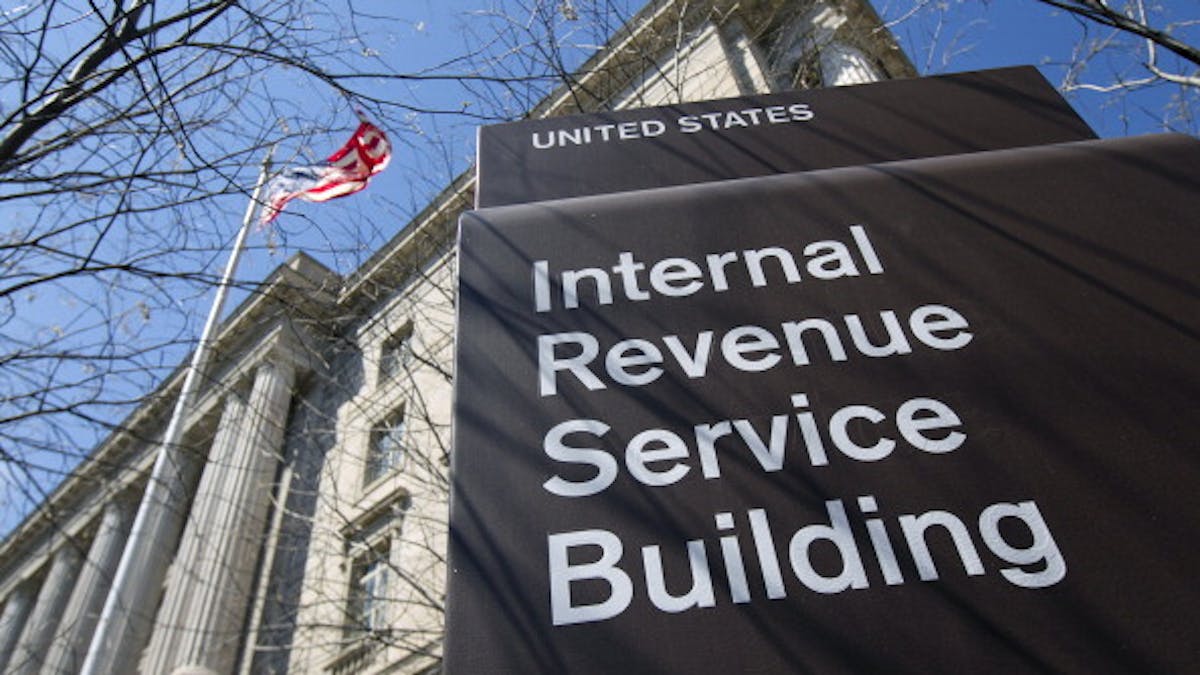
[
  {"x": 430, "y": 150},
  {"x": 425, "y": 36},
  {"x": 988, "y": 34}
]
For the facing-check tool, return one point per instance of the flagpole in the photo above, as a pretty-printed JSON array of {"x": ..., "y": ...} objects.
[{"x": 138, "y": 581}]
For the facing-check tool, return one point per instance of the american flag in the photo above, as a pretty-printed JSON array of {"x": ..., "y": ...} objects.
[{"x": 343, "y": 173}]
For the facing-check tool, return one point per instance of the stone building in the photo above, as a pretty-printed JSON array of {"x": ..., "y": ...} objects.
[{"x": 311, "y": 506}]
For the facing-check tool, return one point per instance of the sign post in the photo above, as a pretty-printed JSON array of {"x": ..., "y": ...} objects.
[{"x": 927, "y": 416}]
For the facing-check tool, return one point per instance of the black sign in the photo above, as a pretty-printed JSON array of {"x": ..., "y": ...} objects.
[
  {"x": 762, "y": 135},
  {"x": 931, "y": 416}
]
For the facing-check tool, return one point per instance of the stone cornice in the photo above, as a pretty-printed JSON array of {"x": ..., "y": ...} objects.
[{"x": 394, "y": 263}]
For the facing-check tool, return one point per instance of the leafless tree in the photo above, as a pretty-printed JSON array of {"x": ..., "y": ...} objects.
[
  {"x": 1138, "y": 61},
  {"x": 129, "y": 137},
  {"x": 131, "y": 132}
]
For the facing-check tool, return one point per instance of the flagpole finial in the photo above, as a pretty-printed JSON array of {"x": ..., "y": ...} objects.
[{"x": 266, "y": 160}]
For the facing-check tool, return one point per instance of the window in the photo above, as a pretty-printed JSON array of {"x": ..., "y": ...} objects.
[
  {"x": 386, "y": 450},
  {"x": 396, "y": 355},
  {"x": 372, "y": 553},
  {"x": 370, "y": 583}
]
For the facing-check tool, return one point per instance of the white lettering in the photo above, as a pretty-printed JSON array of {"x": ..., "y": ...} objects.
[
  {"x": 606, "y": 465},
  {"x": 638, "y": 455},
  {"x": 562, "y": 573},
  {"x": 549, "y": 364}
]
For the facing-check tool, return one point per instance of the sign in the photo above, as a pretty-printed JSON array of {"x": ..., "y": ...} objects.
[
  {"x": 769, "y": 134},
  {"x": 930, "y": 416}
]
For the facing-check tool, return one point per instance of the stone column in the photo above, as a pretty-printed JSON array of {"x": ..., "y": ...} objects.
[
  {"x": 66, "y": 652},
  {"x": 16, "y": 610},
  {"x": 843, "y": 64},
  {"x": 47, "y": 610},
  {"x": 822, "y": 30},
  {"x": 127, "y": 616},
  {"x": 199, "y": 626}
]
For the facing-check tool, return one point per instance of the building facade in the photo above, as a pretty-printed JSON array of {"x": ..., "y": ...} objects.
[{"x": 309, "y": 511}]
